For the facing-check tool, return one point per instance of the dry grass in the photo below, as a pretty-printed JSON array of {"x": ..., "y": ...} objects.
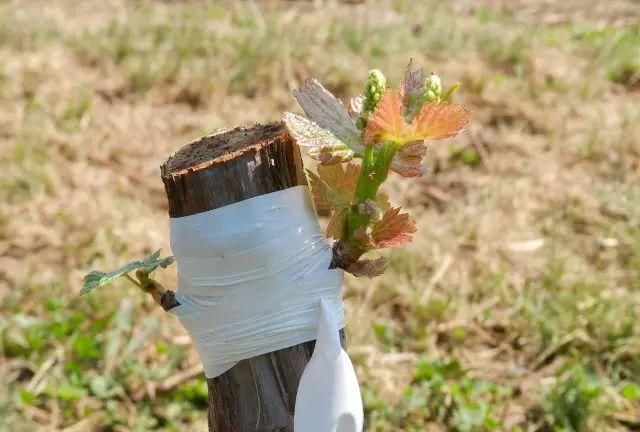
[{"x": 516, "y": 307}]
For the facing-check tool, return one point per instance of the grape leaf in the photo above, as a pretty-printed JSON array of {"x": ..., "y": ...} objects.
[
  {"x": 336, "y": 225},
  {"x": 331, "y": 155},
  {"x": 333, "y": 186},
  {"x": 332, "y": 189},
  {"x": 393, "y": 229},
  {"x": 319, "y": 191},
  {"x": 361, "y": 239},
  {"x": 95, "y": 278},
  {"x": 368, "y": 267},
  {"x": 412, "y": 91},
  {"x": 325, "y": 146},
  {"x": 383, "y": 201},
  {"x": 308, "y": 133},
  {"x": 412, "y": 83},
  {"x": 408, "y": 160},
  {"x": 341, "y": 178},
  {"x": 329, "y": 113},
  {"x": 355, "y": 106},
  {"x": 433, "y": 121}
]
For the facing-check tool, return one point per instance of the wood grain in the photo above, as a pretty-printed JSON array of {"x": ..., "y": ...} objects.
[{"x": 231, "y": 166}]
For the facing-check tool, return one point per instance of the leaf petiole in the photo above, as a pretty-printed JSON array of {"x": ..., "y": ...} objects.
[{"x": 133, "y": 281}]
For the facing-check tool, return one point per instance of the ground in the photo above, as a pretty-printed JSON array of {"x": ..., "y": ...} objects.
[{"x": 515, "y": 308}]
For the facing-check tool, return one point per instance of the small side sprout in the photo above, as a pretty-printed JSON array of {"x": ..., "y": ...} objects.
[{"x": 142, "y": 270}]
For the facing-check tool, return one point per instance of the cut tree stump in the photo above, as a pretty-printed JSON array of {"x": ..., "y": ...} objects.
[{"x": 257, "y": 394}]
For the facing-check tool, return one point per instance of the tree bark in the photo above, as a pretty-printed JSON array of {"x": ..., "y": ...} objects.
[{"x": 257, "y": 394}]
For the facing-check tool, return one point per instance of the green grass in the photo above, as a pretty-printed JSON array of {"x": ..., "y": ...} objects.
[{"x": 618, "y": 51}]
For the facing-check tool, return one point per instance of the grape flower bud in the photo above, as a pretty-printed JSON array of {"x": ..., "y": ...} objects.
[
  {"x": 373, "y": 91},
  {"x": 432, "y": 89}
]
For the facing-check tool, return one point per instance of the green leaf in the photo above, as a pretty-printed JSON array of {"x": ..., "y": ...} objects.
[
  {"x": 69, "y": 392},
  {"x": 86, "y": 347},
  {"x": 630, "y": 391},
  {"x": 27, "y": 397},
  {"x": 384, "y": 333},
  {"x": 96, "y": 278}
]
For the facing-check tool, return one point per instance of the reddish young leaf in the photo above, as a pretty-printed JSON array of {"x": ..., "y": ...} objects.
[
  {"x": 319, "y": 192},
  {"x": 412, "y": 91},
  {"x": 393, "y": 229},
  {"x": 412, "y": 83},
  {"x": 336, "y": 225},
  {"x": 334, "y": 185},
  {"x": 367, "y": 267},
  {"x": 440, "y": 120},
  {"x": 341, "y": 177},
  {"x": 433, "y": 121},
  {"x": 383, "y": 201},
  {"x": 387, "y": 121},
  {"x": 362, "y": 239},
  {"x": 408, "y": 160}
]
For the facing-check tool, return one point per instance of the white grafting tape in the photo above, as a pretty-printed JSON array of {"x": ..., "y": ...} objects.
[{"x": 250, "y": 277}]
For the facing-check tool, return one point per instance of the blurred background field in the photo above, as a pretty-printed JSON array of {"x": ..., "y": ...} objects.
[{"x": 515, "y": 309}]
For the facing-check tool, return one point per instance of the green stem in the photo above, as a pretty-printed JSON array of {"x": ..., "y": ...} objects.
[
  {"x": 364, "y": 186},
  {"x": 374, "y": 171}
]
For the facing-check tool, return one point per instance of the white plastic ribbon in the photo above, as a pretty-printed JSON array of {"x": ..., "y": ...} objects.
[
  {"x": 250, "y": 276},
  {"x": 328, "y": 398}
]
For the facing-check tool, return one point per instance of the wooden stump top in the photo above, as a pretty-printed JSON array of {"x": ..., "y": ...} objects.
[{"x": 231, "y": 166}]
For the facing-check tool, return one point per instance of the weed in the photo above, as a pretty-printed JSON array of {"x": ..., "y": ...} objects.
[{"x": 573, "y": 404}]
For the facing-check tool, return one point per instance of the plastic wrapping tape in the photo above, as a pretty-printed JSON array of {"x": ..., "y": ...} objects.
[{"x": 251, "y": 276}]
